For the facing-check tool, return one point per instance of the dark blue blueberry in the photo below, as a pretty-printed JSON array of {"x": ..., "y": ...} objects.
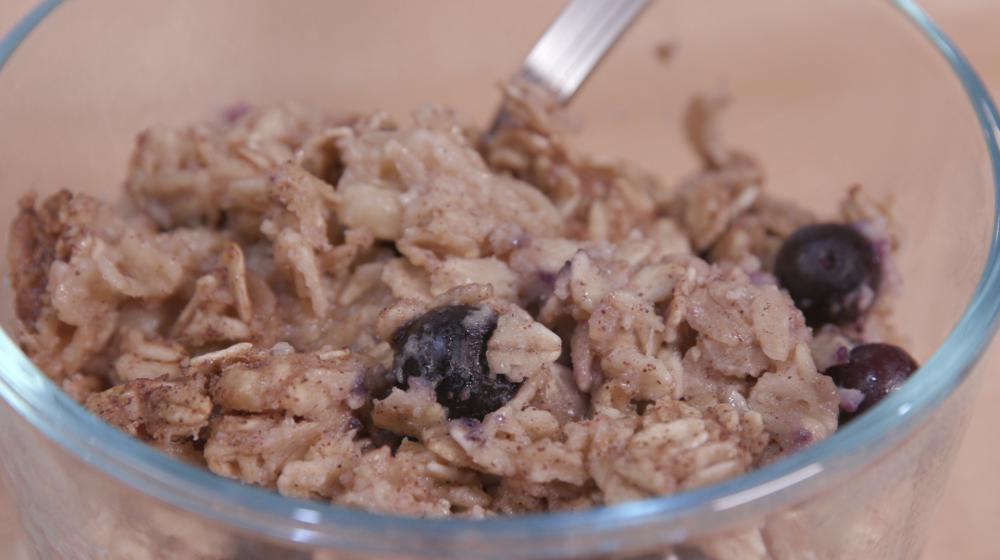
[
  {"x": 831, "y": 271},
  {"x": 447, "y": 348},
  {"x": 874, "y": 369}
]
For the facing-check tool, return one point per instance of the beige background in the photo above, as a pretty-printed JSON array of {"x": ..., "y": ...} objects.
[{"x": 970, "y": 509}]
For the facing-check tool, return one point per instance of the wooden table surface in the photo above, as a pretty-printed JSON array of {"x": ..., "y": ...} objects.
[{"x": 970, "y": 510}]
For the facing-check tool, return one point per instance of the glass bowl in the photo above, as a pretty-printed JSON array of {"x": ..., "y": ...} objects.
[{"x": 825, "y": 94}]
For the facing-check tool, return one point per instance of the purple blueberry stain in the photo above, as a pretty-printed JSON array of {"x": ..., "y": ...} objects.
[
  {"x": 801, "y": 438},
  {"x": 471, "y": 429},
  {"x": 850, "y": 399},
  {"x": 762, "y": 278},
  {"x": 358, "y": 396},
  {"x": 354, "y": 424},
  {"x": 546, "y": 277},
  {"x": 235, "y": 112},
  {"x": 843, "y": 355}
]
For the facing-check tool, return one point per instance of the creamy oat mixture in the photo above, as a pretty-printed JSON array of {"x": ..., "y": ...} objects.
[{"x": 410, "y": 318}]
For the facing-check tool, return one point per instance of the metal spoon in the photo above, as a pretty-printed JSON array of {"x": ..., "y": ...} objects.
[{"x": 576, "y": 41}]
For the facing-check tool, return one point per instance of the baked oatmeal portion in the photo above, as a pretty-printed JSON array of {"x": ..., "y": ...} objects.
[{"x": 421, "y": 319}]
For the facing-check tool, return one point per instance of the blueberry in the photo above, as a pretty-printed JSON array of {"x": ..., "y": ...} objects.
[
  {"x": 874, "y": 369},
  {"x": 447, "y": 348},
  {"x": 831, "y": 271}
]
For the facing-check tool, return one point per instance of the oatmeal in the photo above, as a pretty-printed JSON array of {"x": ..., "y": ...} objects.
[{"x": 419, "y": 319}]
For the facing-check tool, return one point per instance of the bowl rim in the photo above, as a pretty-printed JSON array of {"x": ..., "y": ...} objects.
[{"x": 262, "y": 512}]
